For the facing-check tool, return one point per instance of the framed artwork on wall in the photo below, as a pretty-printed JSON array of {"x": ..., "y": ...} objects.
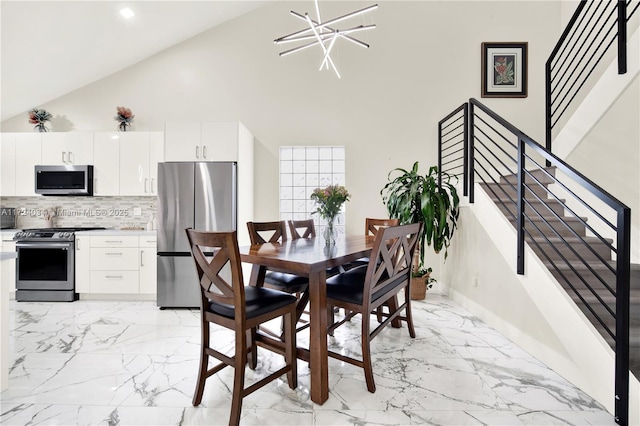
[{"x": 504, "y": 70}]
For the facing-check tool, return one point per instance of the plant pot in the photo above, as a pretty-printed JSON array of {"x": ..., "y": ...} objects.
[{"x": 419, "y": 287}]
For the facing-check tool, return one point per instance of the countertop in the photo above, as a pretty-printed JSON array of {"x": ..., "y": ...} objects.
[{"x": 132, "y": 232}]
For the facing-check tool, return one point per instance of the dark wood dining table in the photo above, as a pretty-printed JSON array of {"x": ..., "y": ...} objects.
[{"x": 309, "y": 257}]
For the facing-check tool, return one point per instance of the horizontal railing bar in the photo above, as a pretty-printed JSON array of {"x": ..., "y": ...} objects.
[
  {"x": 502, "y": 163},
  {"x": 454, "y": 123},
  {"x": 453, "y": 138},
  {"x": 594, "y": 189},
  {"x": 590, "y": 71},
  {"x": 565, "y": 34},
  {"x": 451, "y": 129},
  {"x": 451, "y": 114},
  {"x": 575, "y": 65},
  {"x": 454, "y": 153}
]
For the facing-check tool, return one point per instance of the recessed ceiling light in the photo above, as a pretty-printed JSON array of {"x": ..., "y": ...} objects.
[{"x": 127, "y": 13}]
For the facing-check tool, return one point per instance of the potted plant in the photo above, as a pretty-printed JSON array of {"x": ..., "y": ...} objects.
[{"x": 412, "y": 197}]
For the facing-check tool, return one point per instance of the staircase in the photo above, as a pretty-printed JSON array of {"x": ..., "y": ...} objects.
[{"x": 583, "y": 270}]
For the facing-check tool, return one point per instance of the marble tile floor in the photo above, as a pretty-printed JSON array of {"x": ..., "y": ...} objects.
[{"x": 129, "y": 363}]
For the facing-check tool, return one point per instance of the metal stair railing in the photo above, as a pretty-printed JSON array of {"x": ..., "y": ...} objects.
[
  {"x": 574, "y": 61},
  {"x": 511, "y": 167}
]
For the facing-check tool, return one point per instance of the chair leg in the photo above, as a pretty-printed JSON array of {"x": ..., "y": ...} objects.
[
  {"x": 331, "y": 319},
  {"x": 366, "y": 354},
  {"x": 238, "y": 376},
  {"x": 252, "y": 357},
  {"x": 412, "y": 331},
  {"x": 204, "y": 363},
  {"x": 290, "y": 355}
]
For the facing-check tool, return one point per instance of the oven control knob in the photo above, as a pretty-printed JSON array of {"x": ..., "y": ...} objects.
[
  {"x": 66, "y": 234},
  {"x": 29, "y": 234}
]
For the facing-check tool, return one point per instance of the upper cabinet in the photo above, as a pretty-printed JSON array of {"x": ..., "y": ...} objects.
[
  {"x": 204, "y": 141},
  {"x": 106, "y": 160},
  {"x": 28, "y": 155},
  {"x": 67, "y": 148},
  {"x": 8, "y": 164},
  {"x": 140, "y": 153}
]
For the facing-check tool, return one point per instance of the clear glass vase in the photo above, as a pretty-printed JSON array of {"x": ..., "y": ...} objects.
[{"x": 330, "y": 232}]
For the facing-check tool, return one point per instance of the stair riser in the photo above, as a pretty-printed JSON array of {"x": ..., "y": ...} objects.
[
  {"x": 563, "y": 249},
  {"x": 534, "y": 210},
  {"x": 507, "y": 191},
  {"x": 548, "y": 229}
]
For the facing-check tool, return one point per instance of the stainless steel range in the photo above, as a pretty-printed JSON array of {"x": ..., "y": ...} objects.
[{"x": 45, "y": 267}]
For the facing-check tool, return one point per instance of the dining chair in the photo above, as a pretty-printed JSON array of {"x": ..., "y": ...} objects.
[
  {"x": 365, "y": 288},
  {"x": 241, "y": 309},
  {"x": 273, "y": 232},
  {"x": 304, "y": 228}
]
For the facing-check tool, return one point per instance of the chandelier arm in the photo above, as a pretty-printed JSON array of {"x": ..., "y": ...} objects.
[
  {"x": 324, "y": 49},
  {"x": 327, "y": 34}
]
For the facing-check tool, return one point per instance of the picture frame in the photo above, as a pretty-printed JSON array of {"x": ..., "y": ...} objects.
[{"x": 504, "y": 70}]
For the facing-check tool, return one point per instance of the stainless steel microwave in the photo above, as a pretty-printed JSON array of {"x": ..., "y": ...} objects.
[{"x": 64, "y": 180}]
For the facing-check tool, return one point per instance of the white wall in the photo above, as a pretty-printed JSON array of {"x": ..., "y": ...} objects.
[{"x": 423, "y": 62}]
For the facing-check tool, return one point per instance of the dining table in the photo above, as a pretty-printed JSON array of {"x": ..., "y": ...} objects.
[{"x": 309, "y": 257}]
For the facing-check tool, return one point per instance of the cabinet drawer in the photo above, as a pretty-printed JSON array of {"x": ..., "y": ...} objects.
[
  {"x": 114, "y": 259},
  {"x": 114, "y": 241},
  {"x": 150, "y": 241},
  {"x": 114, "y": 281}
]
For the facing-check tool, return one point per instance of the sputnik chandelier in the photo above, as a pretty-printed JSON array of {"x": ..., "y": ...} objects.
[{"x": 324, "y": 34}]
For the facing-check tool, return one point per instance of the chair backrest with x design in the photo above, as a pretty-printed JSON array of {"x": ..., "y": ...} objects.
[
  {"x": 302, "y": 229},
  {"x": 390, "y": 262},
  {"x": 371, "y": 225},
  {"x": 267, "y": 232}
]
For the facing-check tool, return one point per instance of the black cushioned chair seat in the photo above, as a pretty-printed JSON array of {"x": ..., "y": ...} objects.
[
  {"x": 349, "y": 285},
  {"x": 259, "y": 300},
  {"x": 292, "y": 283}
]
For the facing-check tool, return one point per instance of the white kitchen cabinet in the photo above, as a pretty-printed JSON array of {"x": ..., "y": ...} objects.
[
  {"x": 7, "y": 164},
  {"x": 67, "y": 148},
  {"x": 9, "y": 265},
  {"x": 106, "y": 163},
  {"x": 183, "y": 141},
  {"x": 140, "y": 153},
  {"x": 148, "y": 262},
  {"x": 83, "y": 264},
  {"x": 204, "y": 141},
  {"x": 114, "y": 264},
  {"x": 28, "y": 155}
]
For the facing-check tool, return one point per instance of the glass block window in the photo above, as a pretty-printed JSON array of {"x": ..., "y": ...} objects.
[{"x": 304, "y": 168}]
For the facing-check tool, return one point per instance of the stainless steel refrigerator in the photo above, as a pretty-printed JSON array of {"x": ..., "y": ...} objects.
[{"x": 199, "y": 195}]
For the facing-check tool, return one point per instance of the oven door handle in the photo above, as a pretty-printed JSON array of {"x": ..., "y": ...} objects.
[{"x": 65, "y": 245}]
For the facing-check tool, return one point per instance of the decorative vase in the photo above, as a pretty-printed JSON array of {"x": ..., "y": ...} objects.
[
  {"x": 123, "y": 126},
  {"x": 40, "y": 127},
  {"x": 48, "y": 223},
  {"x": 419, "y": 287},
  {"x": 330, "y": 232}
]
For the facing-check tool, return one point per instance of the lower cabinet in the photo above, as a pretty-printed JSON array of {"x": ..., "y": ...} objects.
[{"x": 116, "y": 264}]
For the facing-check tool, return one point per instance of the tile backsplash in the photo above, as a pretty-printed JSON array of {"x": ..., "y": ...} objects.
[{"x": 108, "y": 212}]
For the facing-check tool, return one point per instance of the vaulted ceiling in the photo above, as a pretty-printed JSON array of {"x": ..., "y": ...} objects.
[{"x": 50, "y": 48}]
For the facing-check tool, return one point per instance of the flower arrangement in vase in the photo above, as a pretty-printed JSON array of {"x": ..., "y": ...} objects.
[
  {"x": 125, "y": 117},
  {"x": 39, "y": 117},
  {"x": 329, "y": 201}
]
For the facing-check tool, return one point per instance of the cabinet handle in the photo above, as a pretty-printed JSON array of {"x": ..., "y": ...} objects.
[
  {"x": 152, "y": 190},
  {"x": 204, "y": 151},
  {"x": 141, "y": 257},
  {"x": 113, "y": 254},
  {"x": 95, "y": 185},
  {"x": 115, "y": 277},
  {"x": 113, "y": 241},
  {"x": 197, "y": 152},
  {"x": 145, "y": 185},
  {"x": 77, "y": 244},
  {"x": 64, "y": 160},
  {"x": 70, "y": 156}
]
